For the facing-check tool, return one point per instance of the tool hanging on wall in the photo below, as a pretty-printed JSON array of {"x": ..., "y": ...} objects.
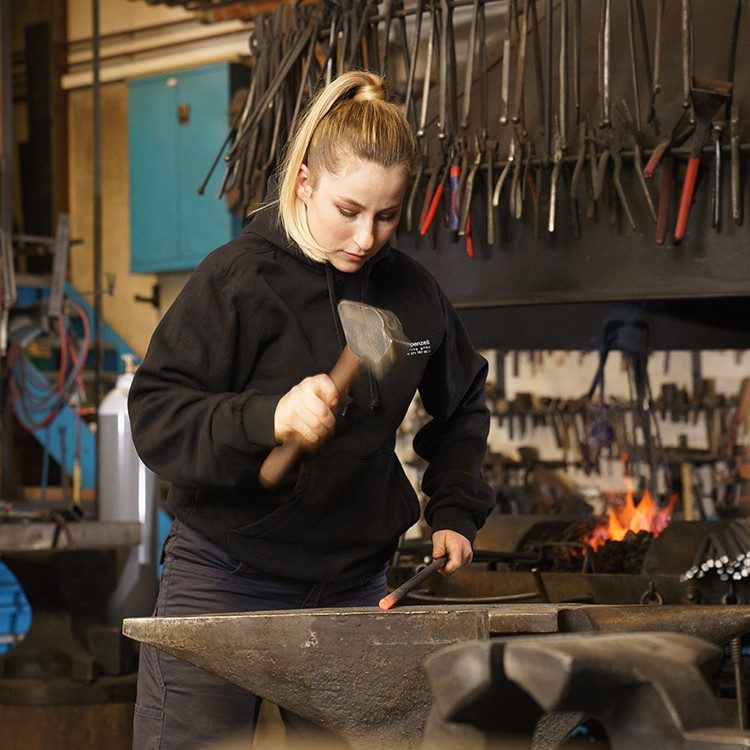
[
  {"x": 296, "y": 48},
  {"x": 708, "y": 97}
]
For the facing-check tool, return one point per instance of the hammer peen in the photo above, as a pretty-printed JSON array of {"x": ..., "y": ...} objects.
[{"x": 374, "y": 339}]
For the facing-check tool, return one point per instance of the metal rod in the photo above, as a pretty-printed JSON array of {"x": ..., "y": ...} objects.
[
  {"x": 657, "y": 45},
  {"x": 6, "y": 176},
  {"x": 398, "y": 594},
  {"x": 626, "y": 154},
  {"x": 577, "y": 59},
  {"x": 686, "y": 25},
  {"x": 549, "y": 52},
  {"x": 7, "y": 462},
  {"x": 6, "y": 119},
  {"x": 97, "y": 217},
  {"x": 563, "y": 73},
  {"x": 451, "y": 4},
  {"x": 735, "y": 651}
]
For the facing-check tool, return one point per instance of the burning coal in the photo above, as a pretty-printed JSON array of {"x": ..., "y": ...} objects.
[{"x": 624, "y": 515}]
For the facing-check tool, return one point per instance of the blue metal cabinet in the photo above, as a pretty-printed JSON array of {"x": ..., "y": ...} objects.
[{"x": 176, "y": 123}]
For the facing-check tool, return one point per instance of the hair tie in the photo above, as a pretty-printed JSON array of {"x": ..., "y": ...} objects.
[{"x": 368, "y": 93}]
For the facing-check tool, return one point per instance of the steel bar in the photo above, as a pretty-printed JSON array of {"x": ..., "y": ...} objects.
[
  {"x": 687, "y": 51},
  {"x": 627, "y": 154},
  {"x": 97, "y": 201},
  {"x": 6, "y": 175},
  {"x": 414, "y": 582},
  {"x": 657, "y": 45},
  {"x": 563, "y": 74},
  {"x": 512, "y": 17}
]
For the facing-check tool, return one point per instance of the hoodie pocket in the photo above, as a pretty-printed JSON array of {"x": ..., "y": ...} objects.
[{"x": 340, "y": 503}]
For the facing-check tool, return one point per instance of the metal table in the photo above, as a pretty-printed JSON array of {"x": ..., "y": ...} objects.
[{"x": 67, "y": 572}]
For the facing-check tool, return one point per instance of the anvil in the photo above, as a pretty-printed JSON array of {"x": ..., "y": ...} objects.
[{"x": 358, "y": 671}]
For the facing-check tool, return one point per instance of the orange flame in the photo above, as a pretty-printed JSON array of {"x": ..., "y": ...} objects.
[{"x": 627, "y": 516}]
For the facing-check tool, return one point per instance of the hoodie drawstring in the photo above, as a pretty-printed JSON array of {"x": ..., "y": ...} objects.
[{"x": 332, "y": 299}]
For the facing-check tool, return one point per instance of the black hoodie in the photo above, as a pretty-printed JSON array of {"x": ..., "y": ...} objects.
[{"x": 254, "y": 319}]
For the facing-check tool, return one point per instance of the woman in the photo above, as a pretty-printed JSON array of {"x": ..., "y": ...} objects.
[{"x": 237, "y": 366}]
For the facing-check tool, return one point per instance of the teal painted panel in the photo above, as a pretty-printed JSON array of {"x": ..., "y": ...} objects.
[
  {"x": 205, "y": 221},
  {"x": 172, "y": 227},
  {"x": 153, "y": 162}
]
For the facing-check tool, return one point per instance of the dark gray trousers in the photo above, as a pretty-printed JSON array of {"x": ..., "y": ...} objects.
[{"x": 178, "y": 705}]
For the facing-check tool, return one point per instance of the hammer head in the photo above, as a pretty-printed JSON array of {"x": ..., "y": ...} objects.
[{"x": 374, "y": 335}]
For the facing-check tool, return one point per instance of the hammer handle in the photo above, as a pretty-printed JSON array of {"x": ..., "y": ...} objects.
[
  {"x": 283, "y": 458},
  {"x": 345, "y": 370}
]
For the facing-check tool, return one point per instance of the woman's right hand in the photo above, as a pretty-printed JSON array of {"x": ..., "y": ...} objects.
[{"x": 306, "y": 411}]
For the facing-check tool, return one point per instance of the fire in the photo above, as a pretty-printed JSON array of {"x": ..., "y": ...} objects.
[{"x": 627, "y": 516}]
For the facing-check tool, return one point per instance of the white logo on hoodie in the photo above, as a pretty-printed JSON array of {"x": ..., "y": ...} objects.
[{"x": 419, "y": 347}]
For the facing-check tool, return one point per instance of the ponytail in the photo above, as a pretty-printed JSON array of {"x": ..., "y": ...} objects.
[{"x": 350, "y": 117}]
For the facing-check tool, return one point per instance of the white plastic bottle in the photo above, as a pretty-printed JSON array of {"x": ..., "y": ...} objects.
[{"x": 127, "y": 492}]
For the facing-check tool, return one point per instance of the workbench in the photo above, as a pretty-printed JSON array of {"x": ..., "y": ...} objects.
[{"x": 67, "y": 570}]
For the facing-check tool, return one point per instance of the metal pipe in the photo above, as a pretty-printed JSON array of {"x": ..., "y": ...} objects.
[
  {"x": 6, "y": 247},
  {"x": 625, "y": 153},
  {"x": 128, "y": 34},
  {"x": 6, "y": 120},
  {"x": 97, "y": 219},
  {"x": 130, "y": 55}
]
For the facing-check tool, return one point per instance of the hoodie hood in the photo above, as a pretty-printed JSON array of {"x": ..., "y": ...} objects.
[{"x": 266, "y": 224}]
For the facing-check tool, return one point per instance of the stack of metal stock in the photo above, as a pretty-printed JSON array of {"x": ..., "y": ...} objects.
[{"x": 724, "y": 553}]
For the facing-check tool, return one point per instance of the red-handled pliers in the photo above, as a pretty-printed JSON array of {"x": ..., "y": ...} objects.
[{"x": 708, "y": 97}]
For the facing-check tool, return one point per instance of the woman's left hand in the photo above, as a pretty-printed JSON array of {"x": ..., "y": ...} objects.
[{"x": 454, "y": 546}]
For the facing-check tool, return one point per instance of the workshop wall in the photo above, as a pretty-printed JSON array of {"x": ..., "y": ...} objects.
[
  {"x": 569, "y": 375},
  {"x": 134, "y": 321},
  {"x": 116, "y": 16},
  {"x": 522, "y": 269},
  {"x": 609, "y": 262}
]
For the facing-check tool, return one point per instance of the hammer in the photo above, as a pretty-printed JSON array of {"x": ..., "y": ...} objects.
[{"x": 374, "y": 339}]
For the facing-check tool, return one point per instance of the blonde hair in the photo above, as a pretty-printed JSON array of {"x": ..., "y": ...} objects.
[{"x": 350, "y": 117}]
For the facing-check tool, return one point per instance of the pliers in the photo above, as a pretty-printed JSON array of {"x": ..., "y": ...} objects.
[
  {"x": 635, "y": 137},
  {"x": 415, "y": 185},
  {"x": 468, "y": 189},
  {"x": 557, "y": 156},
  {"x": 612, "y": 147},
  {"x": 575, "y": 180},
  {"x": 458, "y": 173},
  {"x": 489, "y": 161},
  {"x": 666, "y": 119},
  {"x": 435, "y": 191},
  {"x": 509, "y": 161}
]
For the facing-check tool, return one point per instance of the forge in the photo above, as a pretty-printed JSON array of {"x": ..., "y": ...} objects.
[
  {"x": 546, "y": 559},
  {"x": 359, "y": 672}
]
